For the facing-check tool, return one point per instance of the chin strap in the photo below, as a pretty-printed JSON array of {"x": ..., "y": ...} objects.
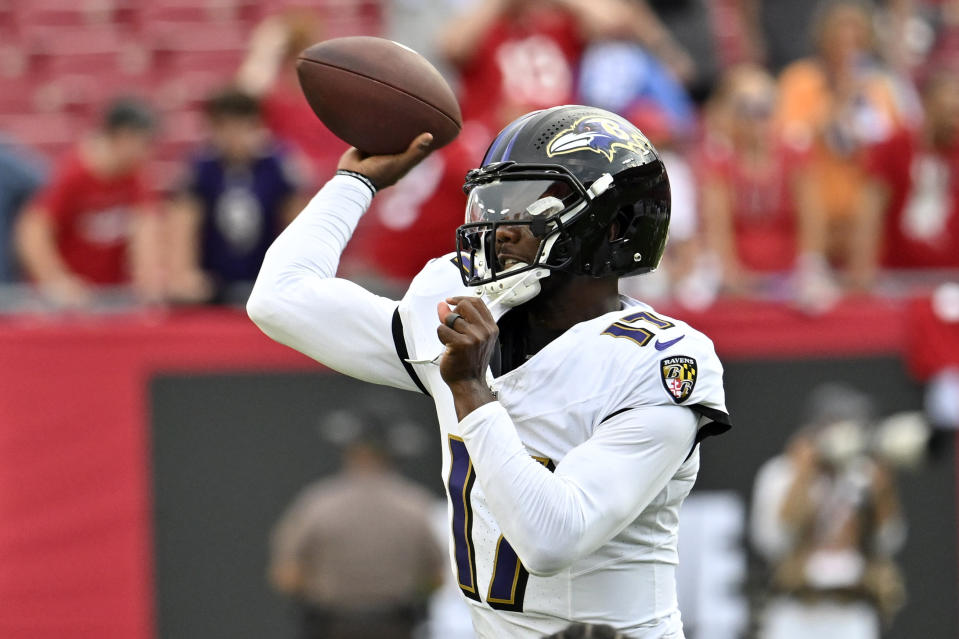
[{"x": 514, "y": 290}]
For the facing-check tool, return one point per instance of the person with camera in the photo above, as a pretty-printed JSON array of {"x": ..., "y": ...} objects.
[{"x": 827, "y": 519}]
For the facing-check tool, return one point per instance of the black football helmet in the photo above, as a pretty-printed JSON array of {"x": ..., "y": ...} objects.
[{"x": 586, "y": 183}]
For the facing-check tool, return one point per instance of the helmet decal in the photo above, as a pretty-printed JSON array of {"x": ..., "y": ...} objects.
[
  {"x": 599, "y": 134},
  {"x": 509, "y": 133}
]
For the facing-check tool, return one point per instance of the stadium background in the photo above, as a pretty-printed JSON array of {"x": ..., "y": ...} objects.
[{"x": 144, "y": 455}]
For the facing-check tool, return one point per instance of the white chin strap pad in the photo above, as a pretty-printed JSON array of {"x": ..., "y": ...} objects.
[{"x": 515, "y": 289}]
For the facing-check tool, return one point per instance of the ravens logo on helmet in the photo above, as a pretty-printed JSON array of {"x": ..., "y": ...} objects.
[{"x": 585, "y": 182}]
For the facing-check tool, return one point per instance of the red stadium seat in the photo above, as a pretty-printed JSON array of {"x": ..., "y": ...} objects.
[
  {"x": 62, "y": 60},
  {"x": 18, "y": 95},
  {"x": 8, "y": 20},
  {"x": 86, "y": 94},
  {"x": 342, "y": 17},
  {"x": 49, "y": 133},
  {"x": 182, "y": 129},
  {"x": 180, "y": 48},
  {"x": 191, "y": 11},
  {"x": 76, "y": 94},
  {"x": 13, "y": 61},
  {"x": 188, "y": 90},
  {"x": 64, "y": 12},
  {"x": 54, "y": 51}
]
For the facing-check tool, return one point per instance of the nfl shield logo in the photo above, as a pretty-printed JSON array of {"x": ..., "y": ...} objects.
[{"x": 679, "y": 377}]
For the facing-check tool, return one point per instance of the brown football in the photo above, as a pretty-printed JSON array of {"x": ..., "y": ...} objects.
[{"x": 377, "y": 94}]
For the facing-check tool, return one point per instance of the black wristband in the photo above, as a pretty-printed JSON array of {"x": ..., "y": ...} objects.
[{"x": 359, "y": 176}]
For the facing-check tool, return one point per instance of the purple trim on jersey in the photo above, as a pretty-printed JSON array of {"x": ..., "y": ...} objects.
[
  {"x": 460, "y": 485},
  {"x": 463, "y": 263},
  {"x": 501, "y": 589},
  {"x": 635, "y": 333}
]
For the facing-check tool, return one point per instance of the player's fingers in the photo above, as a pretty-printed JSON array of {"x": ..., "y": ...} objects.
[
  {"x": 451, "y": 337},
  {"x": 442, "y": 310},
  {"x": 444, "y": 313},
  {"x": 350, "y": 159},
  {"x": 473, "y": 309},
  {"x": 419, "y": 148}
]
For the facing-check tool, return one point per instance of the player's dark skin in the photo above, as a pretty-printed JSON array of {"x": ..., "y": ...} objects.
[{"x": 562, "y": 303}]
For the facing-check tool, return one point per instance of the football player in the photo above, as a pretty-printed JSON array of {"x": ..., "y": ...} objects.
[{"x": 569, "y": 415}]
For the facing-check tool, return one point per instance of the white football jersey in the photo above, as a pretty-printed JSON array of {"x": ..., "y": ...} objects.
[
  {"x": 604, "y": 404},
  {"x": 625, "y": 359}
]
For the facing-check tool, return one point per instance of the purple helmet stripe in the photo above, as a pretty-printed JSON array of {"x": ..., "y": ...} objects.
[
  {"x": 509, "y": 147},
  {"x": 509, "y": 133}
]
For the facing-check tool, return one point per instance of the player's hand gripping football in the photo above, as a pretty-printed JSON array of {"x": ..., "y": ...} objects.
[
  {"x": 386, "y": 170},
  {"x": 469, "y": 333}
]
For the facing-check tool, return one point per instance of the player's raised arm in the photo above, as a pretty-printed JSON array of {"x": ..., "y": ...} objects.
[{"x": 298, "y": 301}]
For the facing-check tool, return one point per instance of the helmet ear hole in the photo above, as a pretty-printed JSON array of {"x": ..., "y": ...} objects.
[
  {"x": 619, "y": 226},
  {"x": 562, "y": 251}
]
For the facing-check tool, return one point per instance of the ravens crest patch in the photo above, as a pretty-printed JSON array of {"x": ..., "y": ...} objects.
[{"x": 679, "y": 377}]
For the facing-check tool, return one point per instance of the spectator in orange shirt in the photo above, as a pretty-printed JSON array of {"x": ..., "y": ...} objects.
[
  {"x": 94, "y": 224},
  {"x": 840, "y": 101},
  {"x": 761, "y": 213}
]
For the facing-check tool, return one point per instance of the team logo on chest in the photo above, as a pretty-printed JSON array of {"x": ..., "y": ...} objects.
[{"x": 679, "y": 377}]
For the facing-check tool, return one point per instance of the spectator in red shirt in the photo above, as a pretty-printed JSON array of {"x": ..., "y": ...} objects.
[
  {"x": 760, "y": 214},
  {"x": 93, "y": 225},
  {"x": 912, "y": 196},
  {"x": 517, "y": 55}
]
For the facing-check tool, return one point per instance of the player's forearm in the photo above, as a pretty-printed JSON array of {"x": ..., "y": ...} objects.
[
  {"x": 529, "y": 503},
  {"x": 553, "y": 519},
  {"x": 298, "y": 302},
  {"x": 313, "y": 242},
  {"x": 470, "y": 395},
  {"x": 308, "y": 249}
]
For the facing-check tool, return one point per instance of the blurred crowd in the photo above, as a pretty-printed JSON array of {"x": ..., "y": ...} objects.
[{"x": 812, "y": 149}]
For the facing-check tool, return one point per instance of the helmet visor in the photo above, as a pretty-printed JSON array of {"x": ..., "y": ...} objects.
[
  {"x": 535, "y": 208},
  {"x": 521, "y": 201}
]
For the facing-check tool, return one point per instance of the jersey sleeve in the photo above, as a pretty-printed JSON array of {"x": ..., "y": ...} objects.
[
  {"x": 599, "y": 487},
  {"x": 679, "y": 368},
  {"x": 298, "y": 301}
]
